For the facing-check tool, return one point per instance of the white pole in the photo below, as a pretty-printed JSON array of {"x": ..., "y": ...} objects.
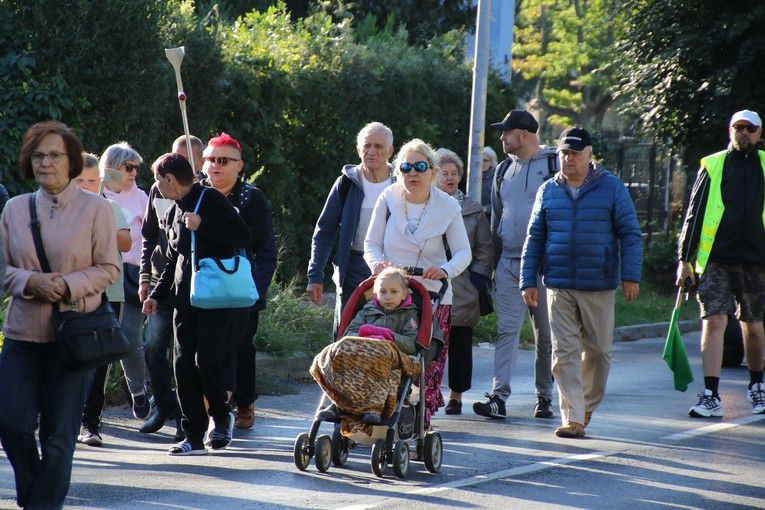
[{"x": 478, "y": 103}]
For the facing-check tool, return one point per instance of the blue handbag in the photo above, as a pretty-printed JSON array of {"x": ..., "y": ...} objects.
[{"x": 221, "y": 283}]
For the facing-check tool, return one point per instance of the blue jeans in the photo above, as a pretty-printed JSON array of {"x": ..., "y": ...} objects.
[
  {"x": 159, "y": 363},
  {"x": 35, "y": 381},
  {"x": 134, "y": 365}
]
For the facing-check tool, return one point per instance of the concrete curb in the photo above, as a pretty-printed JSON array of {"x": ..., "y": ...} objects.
[{"x": 657, "y": 329}]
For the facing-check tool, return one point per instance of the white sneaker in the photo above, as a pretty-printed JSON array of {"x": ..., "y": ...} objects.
[
  {"x": 757, "y": 398},
  {"x": 708, "y": 405}
]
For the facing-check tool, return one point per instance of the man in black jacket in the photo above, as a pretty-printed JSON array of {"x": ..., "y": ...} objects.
[{"x": 724, "y": 233}]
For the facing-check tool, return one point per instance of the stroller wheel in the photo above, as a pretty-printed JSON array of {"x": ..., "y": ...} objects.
[
  {"x": 323, "y": 452},
  {"x": 339, "y": 447},
  {"x": 302, "y": 455},
  {"x": 433, "y": 451},
  {"x": 378, "y": 457},
  {"x": 401, "y": 459}
]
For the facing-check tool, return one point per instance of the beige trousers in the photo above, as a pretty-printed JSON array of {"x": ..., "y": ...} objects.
[{"x": 582, "y": 326}]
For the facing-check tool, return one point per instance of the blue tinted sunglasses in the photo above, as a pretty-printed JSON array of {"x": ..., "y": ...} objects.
[{"x": 420, "y": 166}]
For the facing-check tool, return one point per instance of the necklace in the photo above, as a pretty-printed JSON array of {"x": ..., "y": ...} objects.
[{"x": 412, "y": 223}]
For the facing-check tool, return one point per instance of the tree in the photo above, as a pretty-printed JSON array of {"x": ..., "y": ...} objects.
[
  {"x": 687, "y": 65},
  {"x": 312, "y": 85},
  {"x": 565, "y": 50},
  {"x": 422, "y": 19},
  {"x": 106, "y": 76}
]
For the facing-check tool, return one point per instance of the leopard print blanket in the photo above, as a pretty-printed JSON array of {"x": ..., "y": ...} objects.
[{"x": 362, "y": 375}]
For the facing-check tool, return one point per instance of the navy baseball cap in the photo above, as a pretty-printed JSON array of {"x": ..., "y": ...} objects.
[{"x": 574, "y": 139}]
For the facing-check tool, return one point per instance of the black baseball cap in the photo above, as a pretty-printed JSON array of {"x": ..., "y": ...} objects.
[
  {"x": 517, "y": 119},
  {"x": 574, "y": 139}
]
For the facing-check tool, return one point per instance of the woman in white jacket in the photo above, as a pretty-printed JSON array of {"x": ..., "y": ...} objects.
[{"x": 409, "y": 223}]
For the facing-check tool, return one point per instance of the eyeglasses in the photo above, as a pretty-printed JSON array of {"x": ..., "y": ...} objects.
[
  {"x": 131, "y": 167},
  {"x": 420, "y": 166},
  {"x": 749, "y": 128},
  {"x": 53, "y": 157},
  {"x": 221, "y": 160}
]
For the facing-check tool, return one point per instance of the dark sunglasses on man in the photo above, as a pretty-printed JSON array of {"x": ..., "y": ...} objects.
[{"x": 749, "y": 128}]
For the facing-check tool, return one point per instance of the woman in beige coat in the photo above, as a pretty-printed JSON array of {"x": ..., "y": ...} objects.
[
  {"x": 36, "y": 387},
  {"x": 465, "y": 310}
]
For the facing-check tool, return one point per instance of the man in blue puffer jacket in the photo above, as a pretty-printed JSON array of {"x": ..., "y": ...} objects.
[{"x": 584, "y": 235}]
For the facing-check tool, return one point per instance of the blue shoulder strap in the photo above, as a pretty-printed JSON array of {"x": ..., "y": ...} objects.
[{"x": 194, "y": 237}]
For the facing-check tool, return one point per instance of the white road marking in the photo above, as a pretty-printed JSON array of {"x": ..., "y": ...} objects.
[{"x": 715, "y": 427}]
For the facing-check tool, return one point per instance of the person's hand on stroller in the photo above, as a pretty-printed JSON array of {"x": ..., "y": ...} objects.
[
  {"x": 376, "y": 332},
  {"x": 434, "y": 273}
]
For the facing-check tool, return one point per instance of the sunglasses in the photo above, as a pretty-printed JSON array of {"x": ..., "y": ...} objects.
[
  {"x": 131, "y": 167},
  {"x": 220, "y": 160},
  {"x": 749, "y": 128},
  {"x": 420, "y": 166}
]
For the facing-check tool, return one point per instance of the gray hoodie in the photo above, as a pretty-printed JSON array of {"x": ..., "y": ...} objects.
[{"x": 512, "y": 201}]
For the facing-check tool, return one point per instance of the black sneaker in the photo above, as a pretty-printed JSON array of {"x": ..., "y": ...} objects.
[
  {"x": 543, "y": 409},
  {"x": 90, "y": 435},
  {"x": 494, "y": 408},
  {"x": 141, "y": 406}
]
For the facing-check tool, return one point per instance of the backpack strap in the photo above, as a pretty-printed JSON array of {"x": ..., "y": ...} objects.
[
  {"x": 345, "y": 188},
  {"x": 552, "y": 165},
  {"x": 499, "y": 173}
]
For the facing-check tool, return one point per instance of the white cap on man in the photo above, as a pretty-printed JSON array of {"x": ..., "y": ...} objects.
[{"x": 747, "y": 115}]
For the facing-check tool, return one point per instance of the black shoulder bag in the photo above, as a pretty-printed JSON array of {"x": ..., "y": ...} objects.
[{"x": 86, "y": 340}]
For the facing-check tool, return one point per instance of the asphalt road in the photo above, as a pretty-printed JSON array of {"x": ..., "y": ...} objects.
[{"x": 642, "y": 451}]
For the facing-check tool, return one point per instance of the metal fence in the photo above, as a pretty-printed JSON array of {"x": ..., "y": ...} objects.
[{"x": 646, "y": 169}]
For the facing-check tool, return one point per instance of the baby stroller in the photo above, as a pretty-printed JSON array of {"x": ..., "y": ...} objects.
[{"x": 395, "y": 435}]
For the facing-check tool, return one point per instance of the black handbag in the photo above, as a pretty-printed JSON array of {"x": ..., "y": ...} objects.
[{"x": 89, "y": 339}]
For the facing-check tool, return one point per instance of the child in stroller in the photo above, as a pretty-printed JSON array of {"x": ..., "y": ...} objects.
[
  {"x": 343, "y": 369},
  {"x": 369, "y": 377}
]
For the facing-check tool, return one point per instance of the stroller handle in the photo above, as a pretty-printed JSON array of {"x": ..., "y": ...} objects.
[{"x": 417, "y": 271}]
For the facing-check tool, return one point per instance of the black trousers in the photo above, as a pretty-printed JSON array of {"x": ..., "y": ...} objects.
[
  {"x": 244, "y": 367},
  {"x": 205, "y": 341},
  {"x": 461, "y": 359}
]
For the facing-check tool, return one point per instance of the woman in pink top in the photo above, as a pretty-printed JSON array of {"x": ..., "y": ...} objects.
[{"x": 122, "y": 158}]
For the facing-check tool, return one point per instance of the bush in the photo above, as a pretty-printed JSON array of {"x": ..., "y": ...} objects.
[
  {"x": 291, "y": 325},
  {"x": 660, "y": 265}
]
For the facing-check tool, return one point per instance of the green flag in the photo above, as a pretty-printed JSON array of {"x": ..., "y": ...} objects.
[{"x": 675, "y": 355}]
